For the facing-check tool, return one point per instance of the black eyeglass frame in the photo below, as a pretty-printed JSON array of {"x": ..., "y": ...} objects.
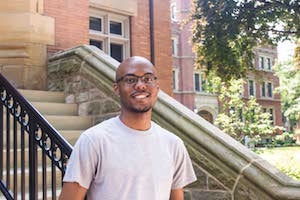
[{"x": 138, "y": 77}]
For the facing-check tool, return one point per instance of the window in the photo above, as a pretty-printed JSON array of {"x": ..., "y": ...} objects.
[
  {"x": 111, "y": 33},
  {"x": 173, "y": 11},
  {"x": 115, "y": 27},
  {"x": 251, "y": 88},
  {"x": 95, "y": 24},
  {"x": 263, "y": 89},
  {"x": 271, "y": 114},
  {"x": 203, "y": 82},
  {"x": 269, "y": 64},
  {"x": 116, "y": 51},
  {"x": 261, "y": 62},
  {"x": 270, "y": 90},
  {"x": 200, "y": 82},
  {"x": 96, "y": 43},
  {"x": 197, "y": 82},
  {"x": 174, "y": 45},
  {"x": 175, "y": 79}
]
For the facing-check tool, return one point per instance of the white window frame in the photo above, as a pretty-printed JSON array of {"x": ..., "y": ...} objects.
[
  {"x": 175, "y": 79},
  {"x": 102, "y": 20},
  {"x": 174, "y": 40},
  {"x": 268, "y": 109},
  {"x": 200, "y": 81},
  {"x": 173, "y": 11},
  {"x": 261, "y": 64},
  {"x": 269, "y": 67},
  {"x": 261, "y": 89},
  {"x": 106, "y": 37},
  {"x": 266, "y": 66},
  {"x": 254, "y": 91},
  {"x": 267, "y": 87}
]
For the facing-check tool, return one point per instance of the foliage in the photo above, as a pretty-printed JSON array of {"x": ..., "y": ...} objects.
[
  {"x": 240, "y": 117},
  {"x": 225, "y": 32},
  {"x": 287, "y": 159},
  {"x": 289, "y": 89}
]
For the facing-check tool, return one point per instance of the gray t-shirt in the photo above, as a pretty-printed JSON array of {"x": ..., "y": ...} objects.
[{"x": 115, "y": 162}]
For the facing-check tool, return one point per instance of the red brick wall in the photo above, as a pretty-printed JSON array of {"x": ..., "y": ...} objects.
[
  {"x": 71, "y": 22},
  {"x": 140, "y": 39}
]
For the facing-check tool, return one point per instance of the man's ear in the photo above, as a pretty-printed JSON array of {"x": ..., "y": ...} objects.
[{"x": 116, "y": 89}]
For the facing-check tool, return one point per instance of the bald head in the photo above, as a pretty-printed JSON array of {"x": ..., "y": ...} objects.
[{"x": 132, "y": 63}]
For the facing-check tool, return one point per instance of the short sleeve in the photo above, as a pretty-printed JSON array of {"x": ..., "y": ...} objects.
[
  {"x": 184, "y": 173},
  {"x": 82, "y": 165}
]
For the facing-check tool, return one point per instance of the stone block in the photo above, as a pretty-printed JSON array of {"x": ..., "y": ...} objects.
[
  {"x": 213, "y": 166},
  {"x": 70, "y": 98},
  {"x": 128, "y": 7},
  {"x": 201, "y": 182},
  {"x": 26, "y": 27},
  {"x": 82, "y": 97},
  {"x": 214, "y": 184},
  {"x": 34, "y": 78},
  {"x": 245, "y": 190},
  {"x": 109, "y": 106},
  {"x": 22, "y": 6},
  {"x": 210, "y": 195},
  {"x": 95, "y": 93},
  {"x": 14, "y": 73},
  {"x": 187, "y": 195}
]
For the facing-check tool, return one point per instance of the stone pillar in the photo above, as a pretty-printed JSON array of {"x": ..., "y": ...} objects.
[{"x": 25, "y": 33}]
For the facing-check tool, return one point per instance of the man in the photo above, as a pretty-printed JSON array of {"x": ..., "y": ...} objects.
[{"x": 129, "y": 157}]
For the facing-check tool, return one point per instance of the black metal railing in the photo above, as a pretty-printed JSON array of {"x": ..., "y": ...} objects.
[{"x": 33, "y": 154}]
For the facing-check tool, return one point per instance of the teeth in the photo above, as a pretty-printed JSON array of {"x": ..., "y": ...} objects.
[{"x": 140, "y": 96}]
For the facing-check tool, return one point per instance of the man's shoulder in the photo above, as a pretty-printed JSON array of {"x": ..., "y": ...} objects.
[
  {"x": 162, "y": 132},
  {"x": 101, "y": 128}
]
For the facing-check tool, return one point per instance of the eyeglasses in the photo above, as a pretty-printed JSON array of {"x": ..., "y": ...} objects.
[{"x": 131, "y": 79}]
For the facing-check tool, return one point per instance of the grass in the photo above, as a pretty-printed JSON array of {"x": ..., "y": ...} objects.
[{"x": 287, "y": 159}]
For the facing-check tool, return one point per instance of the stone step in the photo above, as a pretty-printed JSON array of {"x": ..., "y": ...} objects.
[
  {"x": 63, "y": 122},
  {"x": 69, "y": 122},
  {"x": 50, "y": 108},
  {"x": 70, "y": 135},
  {"x": 43, "y": 96},
  {"x": 39, "y": 179},
  {"x": 40, "y": 195},
  {"x": 26, "y": 158}
]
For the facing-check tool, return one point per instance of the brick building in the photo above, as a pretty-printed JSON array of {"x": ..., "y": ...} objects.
[
  {"x": 35, "y": 29},
  {"x": 188, "y": 83}
]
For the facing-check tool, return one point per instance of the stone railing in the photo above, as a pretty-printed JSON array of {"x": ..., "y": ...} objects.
[{"x": 225, "y": 168}]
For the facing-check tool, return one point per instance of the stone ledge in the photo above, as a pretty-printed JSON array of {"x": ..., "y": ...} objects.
[{"x": 243, "y": 173}]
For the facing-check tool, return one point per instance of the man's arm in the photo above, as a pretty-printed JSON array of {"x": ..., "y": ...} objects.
[
  {"x": 72, "y": 191},
  {"x": 176, "y": 194}
]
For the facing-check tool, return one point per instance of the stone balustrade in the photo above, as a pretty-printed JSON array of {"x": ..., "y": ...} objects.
[{"x": 225, "y": 168}]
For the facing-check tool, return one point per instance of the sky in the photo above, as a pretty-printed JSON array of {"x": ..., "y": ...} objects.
[{"x": 285, "y": 50}]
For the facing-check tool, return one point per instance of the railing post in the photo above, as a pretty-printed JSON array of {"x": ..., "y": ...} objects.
[
  {"x": 32, "y": 163},
  {"x": 1, "y": 141}
]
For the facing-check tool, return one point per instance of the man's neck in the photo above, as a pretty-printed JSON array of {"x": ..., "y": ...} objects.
[{"x": 137, "y": 121}]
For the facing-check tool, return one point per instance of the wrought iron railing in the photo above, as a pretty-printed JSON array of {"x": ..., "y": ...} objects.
[{"x": 33, "y": 154}]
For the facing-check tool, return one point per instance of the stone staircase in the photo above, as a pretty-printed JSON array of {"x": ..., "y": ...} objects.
[{"x": 62, "y": 116}]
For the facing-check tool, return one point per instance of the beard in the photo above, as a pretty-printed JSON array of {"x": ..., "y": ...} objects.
[{"x": 136, "y": 108}]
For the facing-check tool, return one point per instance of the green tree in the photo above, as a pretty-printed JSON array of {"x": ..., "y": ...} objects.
[
  {"x": 226, "y": 31},
  {"x": 240, "y": 117},
  {"x": 289, "y": 89}
]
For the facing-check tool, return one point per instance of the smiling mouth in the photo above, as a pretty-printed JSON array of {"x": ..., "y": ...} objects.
[{"x": 140, "y": 96}]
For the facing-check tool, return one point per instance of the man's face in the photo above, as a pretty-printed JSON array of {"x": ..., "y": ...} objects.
[{"x": 137, "y": 95}]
